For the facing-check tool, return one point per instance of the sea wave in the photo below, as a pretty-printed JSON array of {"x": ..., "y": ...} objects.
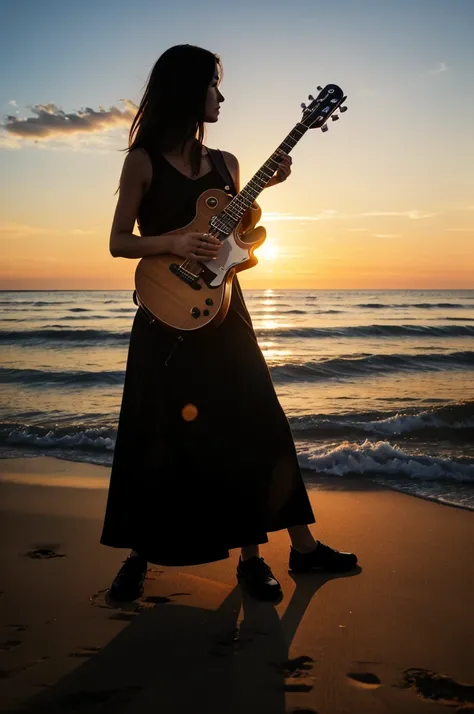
[
  {"x": 370, "y": 364},
  {"x": 331, "y": 368},
  {"x": 70, "y": 437},
  {"x": 87, "y": 336},
  {"x": 69, "y": 378},
  {"x": 362, "y": 331},
  {"x": 379, "y": 458},
  {"x": 35, "y": 303},
  {"x": 449, "y": 421},
  {"x": 63, "y": 335}
]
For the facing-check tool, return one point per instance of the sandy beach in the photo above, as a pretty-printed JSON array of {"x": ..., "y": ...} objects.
[{"x": 397, "y": 635}]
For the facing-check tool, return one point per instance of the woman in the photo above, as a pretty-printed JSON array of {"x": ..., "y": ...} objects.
[{"x": 184, "y": 490}]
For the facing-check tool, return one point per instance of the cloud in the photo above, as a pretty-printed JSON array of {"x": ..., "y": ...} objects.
[
  {"x": 51, "y": 122},
  {"x": 275, "y": 216},
  {"x": 387, "y": 235},
  {"x": 414, "y": 214},
  {"x": 439, "y": 69}
]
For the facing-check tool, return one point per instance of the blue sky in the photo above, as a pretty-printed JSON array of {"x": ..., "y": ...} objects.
[{"x": 404, "y": 150}]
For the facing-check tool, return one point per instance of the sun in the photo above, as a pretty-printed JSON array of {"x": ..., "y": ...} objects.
[{"x": 268, "y": 251}]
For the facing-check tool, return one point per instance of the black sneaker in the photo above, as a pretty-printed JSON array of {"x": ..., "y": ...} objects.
[
  {"x": 321, "y": 558},
  {"x": 259, "y": 579},
  {"x": 128, "y": 583}
]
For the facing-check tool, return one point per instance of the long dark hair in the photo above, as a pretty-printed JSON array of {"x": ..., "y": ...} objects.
[{"x": 172, "y": 108}]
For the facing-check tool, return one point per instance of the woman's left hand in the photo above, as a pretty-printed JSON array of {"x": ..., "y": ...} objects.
[{"x": 283, "y": 171}]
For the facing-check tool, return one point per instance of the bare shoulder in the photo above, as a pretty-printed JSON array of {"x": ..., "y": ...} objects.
[
  {"x": 137, "y": 168},
  {"x": 231, "y": 160}
]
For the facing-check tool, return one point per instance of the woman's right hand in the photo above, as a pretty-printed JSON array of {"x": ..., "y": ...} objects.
[{"x": 198, "y": 246}]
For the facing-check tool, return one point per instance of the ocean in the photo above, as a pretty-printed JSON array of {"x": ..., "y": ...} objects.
[{"x": 375, "y": 384}]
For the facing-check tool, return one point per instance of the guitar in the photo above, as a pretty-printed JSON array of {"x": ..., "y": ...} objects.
[{"x": 187, "y": 294}]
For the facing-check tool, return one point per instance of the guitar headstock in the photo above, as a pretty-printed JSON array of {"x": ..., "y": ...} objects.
[{"x": 328, "y": 101}]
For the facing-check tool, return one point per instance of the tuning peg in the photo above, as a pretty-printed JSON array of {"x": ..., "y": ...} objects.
[
  {"x": 324, "y": 127},
  {"x": 303, "y": 105},
  {"x": 343, "y": 109},
  {"x": 335, "y": 117},
  {"x": 319, "y": 88},
  {"x": 310, "y": 97}
]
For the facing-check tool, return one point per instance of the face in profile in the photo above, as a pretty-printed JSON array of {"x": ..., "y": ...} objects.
[{"x": 213, "y": 99}]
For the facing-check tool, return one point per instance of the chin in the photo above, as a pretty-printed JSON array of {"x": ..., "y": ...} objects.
[{"x": 212, "y": 118}]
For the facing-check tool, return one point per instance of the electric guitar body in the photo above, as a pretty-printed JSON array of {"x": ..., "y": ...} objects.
[{"x": 168, "y": 289}]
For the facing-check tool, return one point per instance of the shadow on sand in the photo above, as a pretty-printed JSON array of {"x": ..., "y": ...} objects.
[{"x": 178, "y": 659}]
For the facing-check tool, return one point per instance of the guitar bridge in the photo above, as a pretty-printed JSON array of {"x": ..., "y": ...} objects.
[{"x": 186, "y": 276}]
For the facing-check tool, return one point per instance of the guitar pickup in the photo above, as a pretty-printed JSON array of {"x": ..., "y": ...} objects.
[{"x": 185, "y": 276}]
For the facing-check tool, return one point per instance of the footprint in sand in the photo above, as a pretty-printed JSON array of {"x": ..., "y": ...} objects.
[
  {"x": 18, "y": 627},
  {"x": 439, "y": 687},
  {"x": 32, "y": 664},
  {"x": 297, "y": 667},
  {"x": 9, "y": 644},
  {"x": 365, "y": 680},
  {"x": 293, "y": 670},
  {"x": 45, "y": 552},
  {"x": 85, "y": 652}
]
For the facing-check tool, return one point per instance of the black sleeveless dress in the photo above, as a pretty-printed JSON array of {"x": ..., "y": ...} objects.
[{"x": 186, "y": 491}]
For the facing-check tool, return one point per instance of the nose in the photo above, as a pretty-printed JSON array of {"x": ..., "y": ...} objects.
[{"x": 220, "y": 97}]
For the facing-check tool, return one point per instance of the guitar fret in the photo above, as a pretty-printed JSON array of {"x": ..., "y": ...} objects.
[
  {"x": 245, "y": 198},
  {"x": 234, "y": 214}
]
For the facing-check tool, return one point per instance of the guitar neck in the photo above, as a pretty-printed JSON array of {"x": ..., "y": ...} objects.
[{"x": 244, "y": 199}]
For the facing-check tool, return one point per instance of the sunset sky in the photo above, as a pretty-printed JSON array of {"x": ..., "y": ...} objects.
[{"x": 385, "y": 199}]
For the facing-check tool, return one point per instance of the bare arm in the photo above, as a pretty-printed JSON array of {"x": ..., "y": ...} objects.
[{"x": 134, "y": 181}]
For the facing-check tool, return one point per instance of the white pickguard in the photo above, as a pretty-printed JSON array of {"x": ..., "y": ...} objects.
[{"x": 229, "y": 254}]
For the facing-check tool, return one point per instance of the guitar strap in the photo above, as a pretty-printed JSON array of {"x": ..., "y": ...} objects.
[{"x": 218, "y": 160}]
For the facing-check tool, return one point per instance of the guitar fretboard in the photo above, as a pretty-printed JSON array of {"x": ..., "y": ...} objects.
[{"x": 231, "y": 215}]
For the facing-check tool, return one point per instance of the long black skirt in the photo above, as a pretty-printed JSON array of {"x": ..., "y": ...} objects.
[{"x": 204, "y": 460}]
